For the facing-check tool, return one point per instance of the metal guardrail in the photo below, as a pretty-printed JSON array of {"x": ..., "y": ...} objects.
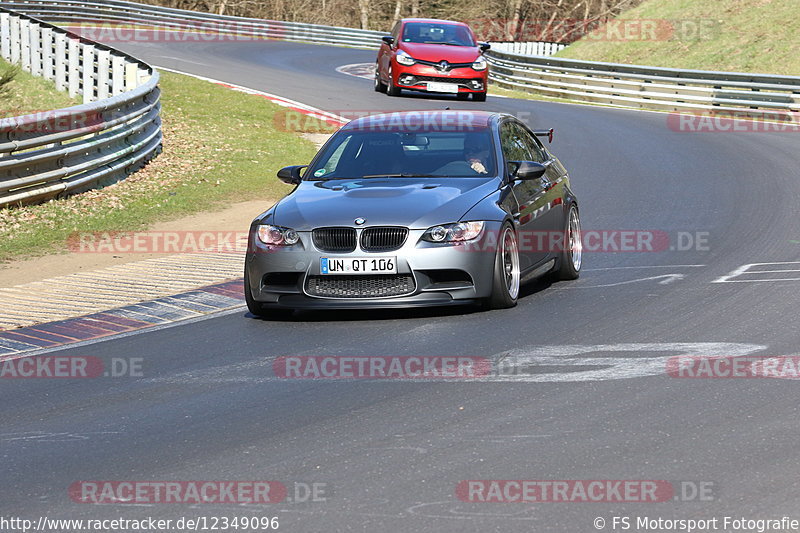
[
  {"x": 527, "y": 48},
  {"x": 122, "y": 12},
  {"x": 53, "y": 153},
  {"x": 604, "y": 83},
  {"x": 667, "y": 89},
  {"x": 37, "y": 162}
]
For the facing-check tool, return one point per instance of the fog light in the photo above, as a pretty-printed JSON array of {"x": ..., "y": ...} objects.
[
  {"x": 477, "y": 85},
  {"x": 407, "y": 80}
]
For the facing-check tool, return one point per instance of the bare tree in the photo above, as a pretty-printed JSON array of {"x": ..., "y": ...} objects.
[{"x": 560, "y": 20}]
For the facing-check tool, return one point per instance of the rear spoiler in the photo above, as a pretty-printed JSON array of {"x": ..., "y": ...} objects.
[{"x": 545, "y": 133}]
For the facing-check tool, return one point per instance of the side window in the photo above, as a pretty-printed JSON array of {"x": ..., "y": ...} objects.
[
  {"x": 396, "y": 31},
  {"x": 513, "y": 146},
  {"x": 534, "y": 147},
  {"x": 333, "y": 161}
]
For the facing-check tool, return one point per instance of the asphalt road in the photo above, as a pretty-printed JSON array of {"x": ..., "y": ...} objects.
[{"x": 392, "y": 453}]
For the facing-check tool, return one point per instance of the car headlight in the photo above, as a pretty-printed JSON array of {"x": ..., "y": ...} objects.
[
  {"x": 459, "y": 232},
  {"x": 480, "y": 64},
  {"x": 405, "y": 59},
  {"x": 277, "y": 236}
]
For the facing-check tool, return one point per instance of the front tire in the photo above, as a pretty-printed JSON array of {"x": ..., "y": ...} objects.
[
  {"x": 479, "y": 97},
  {"x": 380, "y": 87},
  {"x": 506, "y": 280},
  {"x": 392, "y": 89},
  {"x": 571, "y": 257}
]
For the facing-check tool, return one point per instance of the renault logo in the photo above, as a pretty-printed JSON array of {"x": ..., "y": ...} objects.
[
  {"x": 444, "y": 66},
  {"x": 360, "y": 221}
]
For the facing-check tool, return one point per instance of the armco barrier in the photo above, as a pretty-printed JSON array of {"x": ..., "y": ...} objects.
[
  {"x": 604, "y": 83},
  {"x": 115, "y": 131},
  {"x": 645, "y": 87},
  {"x": 122, "y": 12},
  {"x": 36, "y": 163}
]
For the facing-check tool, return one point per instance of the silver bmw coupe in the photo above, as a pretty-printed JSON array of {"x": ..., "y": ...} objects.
[{"x": 416, "y": 209}]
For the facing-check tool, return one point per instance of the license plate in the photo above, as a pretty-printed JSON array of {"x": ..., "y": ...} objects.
[
  {"x": 442, "y": 87},
  {"x": 358, "y": 265}
]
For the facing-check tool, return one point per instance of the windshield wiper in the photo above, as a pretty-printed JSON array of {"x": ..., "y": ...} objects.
[
  {"x": 401, "y": 176},
  {"x": 447, "y": 43}
]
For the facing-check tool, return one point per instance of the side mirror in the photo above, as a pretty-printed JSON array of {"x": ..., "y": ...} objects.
[
  {"x": 484, "y": 46},
  {"x": 388, "y": 39},
  {"x": 529, "y": 170},
  {"x": 291, "y": 175},
  {"x": 545, "y": 133}
]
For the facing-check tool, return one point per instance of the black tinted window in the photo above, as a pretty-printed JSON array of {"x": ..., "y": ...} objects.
[
  {"x": 513, "y": 145},
  {"x": 435, "y": 33},
  {"x": 356, "y": 154}
]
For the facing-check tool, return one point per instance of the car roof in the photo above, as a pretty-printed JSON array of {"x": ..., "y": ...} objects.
[
  {"x": 442, "y": 21},
  {"x": 415, "y": 120}
]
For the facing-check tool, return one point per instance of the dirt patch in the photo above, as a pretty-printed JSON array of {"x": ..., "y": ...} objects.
[{"x": 236, "y": 217}]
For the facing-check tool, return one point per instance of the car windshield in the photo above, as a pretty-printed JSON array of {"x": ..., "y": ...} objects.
[
  {"x": 437, "y": 33},
  {"x": 436, "y": 154}
]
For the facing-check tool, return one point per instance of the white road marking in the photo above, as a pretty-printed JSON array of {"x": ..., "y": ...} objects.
[
  {"x": 665, "y": 280},
  {"x": 537, "y": 363},
  {"x": 602, "y": 366},
  {"x": 184, "y": 60},
  {"x": 746, "y": 270},
  {"x": 357, "y": 66},
  {"x": 636, "y": 267}
]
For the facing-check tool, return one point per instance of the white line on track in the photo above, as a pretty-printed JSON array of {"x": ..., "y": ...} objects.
[
  {"x": 634, "y": 267},
  {"x": 746, "y": 270}
]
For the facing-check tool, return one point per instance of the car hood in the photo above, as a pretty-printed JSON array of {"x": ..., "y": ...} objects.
[
  {"x": 439, "y": 52},
  {"x": 381, "y": 201}
]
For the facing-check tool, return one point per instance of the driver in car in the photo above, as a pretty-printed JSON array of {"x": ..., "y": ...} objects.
[{"x": 476, "y": 154}]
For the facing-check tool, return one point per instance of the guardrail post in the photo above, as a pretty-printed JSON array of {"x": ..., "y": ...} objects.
[
  {"x": 117, "y": 75},
  {"x": 14, "y": 40},
  {"x": 131, "y": 76},
  {"x": 73, "y": 67},
  {"x": 36, "y": 49},
  {"x": 142, "y": 76},
  {"x": 49, "y": 59},
  {"x": 25, "y": 44},
  {"x": 5, "y": 36},
  {"x": 60, "y": 62},
  {"x": 103, "y": 69},
  {"x": 89, "y": 77}
]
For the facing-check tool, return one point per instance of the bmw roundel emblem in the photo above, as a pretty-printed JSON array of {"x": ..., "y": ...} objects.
[{"x": 360, "y": 221}]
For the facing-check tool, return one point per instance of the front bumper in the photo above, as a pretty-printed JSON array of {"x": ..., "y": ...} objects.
[
  {"x": 416, "y": 78},
  {"x": 282, "y": 277}
]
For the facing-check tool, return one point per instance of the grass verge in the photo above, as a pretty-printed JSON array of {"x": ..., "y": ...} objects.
[
  {"x": 726, "y": 35},
  {"x": 24, "y": 93},
  {"x": 220, "y": 146}
]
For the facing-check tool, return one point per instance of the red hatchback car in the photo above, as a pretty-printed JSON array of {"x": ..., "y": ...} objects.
[{"x": 438, "y": 56}]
